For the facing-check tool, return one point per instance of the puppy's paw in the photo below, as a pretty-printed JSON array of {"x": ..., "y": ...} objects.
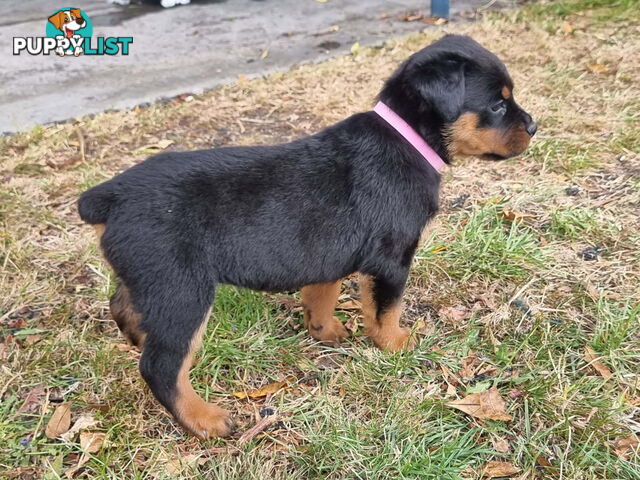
[
  {"x": 329, "y": 331},
  {"x": 207, "y": 421},
  {"x": 393, "y": 340}
]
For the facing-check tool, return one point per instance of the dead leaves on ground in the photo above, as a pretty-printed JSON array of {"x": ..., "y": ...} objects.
[
  {"x": 265, "y": 390},
  {"x": 59, "y": 426},
  {"x": 592, "y": 359},
  {"x": 90, "y": 443},
  {"x": 486, "y": 405},
  {"x": 496, "y": 469},
  {"x": 60, "y": 421},
  {"x": 625, "y": 447},
  {"x": 599, "y": 69},
  {"x": 511, "y": 216},
  {"x": 155, "y": 147},
  {"x": 454, "y": 315}
]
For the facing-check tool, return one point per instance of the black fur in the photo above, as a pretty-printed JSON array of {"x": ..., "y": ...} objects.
[{"x": 352, "y": 198}]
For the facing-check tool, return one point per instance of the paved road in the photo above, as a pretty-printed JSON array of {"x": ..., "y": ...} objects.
[{"x": 183, "y": 49}]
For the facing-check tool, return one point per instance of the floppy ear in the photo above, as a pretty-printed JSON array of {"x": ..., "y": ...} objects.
[
  {"x": 438, "y": 77},
  {"x": 76, "y": 12},
  {"x": 57, "y": 19}
]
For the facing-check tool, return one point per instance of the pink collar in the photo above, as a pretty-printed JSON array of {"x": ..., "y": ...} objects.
[{"x": 404, "y": 129}]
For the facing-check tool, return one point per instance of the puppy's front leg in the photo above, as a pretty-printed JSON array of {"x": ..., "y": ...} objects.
[
  {"x": 381, "y": 296},
  {"x": 319, "y": 300}
]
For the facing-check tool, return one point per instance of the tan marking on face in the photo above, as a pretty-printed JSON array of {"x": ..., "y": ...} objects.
[
  {"x": 383, "y": 327},
  {"x": 466, "y": 138},
  {"x": 506, "y": 93},
  {"x": 319, "y": 301}
]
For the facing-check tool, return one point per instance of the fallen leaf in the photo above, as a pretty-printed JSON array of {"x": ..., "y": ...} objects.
[
  {"x": 181, "y": 464},
  {"x": 598, "y": 68},
  {"x": 454, "y": 315},
  {"x": 624, "y": 446},
  {"x": 591, "y": 358},
  {"x": 486, "y": 405},
  {"x": 124, "y": 347},
  {"x": 355, "y": 48},
  {"x": 501, "y": 445},
  {"x": 265, "y": 54},
  {"x": 91, "y": 442},
  {"x": 422, "y": 327},
  {"x": 496, "y": 469},
  {"x": 153, "y": 147},
  {"x": 84, "y": 422},
  {"x": 411, "y": 17},
  {"x": 59, "y": 422},
  {"x": 546, "y": 466},
  {"x": 349, "y": 305},
  {"x": 351, "y": 324},
  {"x": 566, "y": 28},
  {"x": 469, "y": 365},
  {"x": 262, "y": 391},
  {"x": 33, "y": 400},
  {"x": 287, "y": 303},
  {"x": 513, "y": 215}
]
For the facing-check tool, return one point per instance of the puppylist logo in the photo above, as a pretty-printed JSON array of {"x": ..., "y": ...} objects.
[{"x": 69, "y": 32}]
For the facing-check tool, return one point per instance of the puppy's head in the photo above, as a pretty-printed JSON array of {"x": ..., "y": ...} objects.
[
  {"x": 463, "y": 90},
  {"x": 68, "y": 21}
]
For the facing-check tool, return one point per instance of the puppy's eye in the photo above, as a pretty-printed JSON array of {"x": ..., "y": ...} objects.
[{"x": 498, "y": 107}]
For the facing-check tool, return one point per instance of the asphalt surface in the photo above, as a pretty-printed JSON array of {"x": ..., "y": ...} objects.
[{"x": 183, "y": 49}]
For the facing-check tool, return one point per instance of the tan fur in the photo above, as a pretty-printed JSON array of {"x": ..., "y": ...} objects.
[
  {"x": 506, "y": 93},
  {"x": 319, "y": 301},
  {"x": 99, "y": 228},
  {"x": 466, "y": 138},
  {"x": 383, "y": 327},
  {"x": 204, "y": 420},
  {"x": 125, "y": 315}
]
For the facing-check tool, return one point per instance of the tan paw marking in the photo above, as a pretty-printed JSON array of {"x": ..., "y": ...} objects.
[
  {"x": 393, "y": 340},
  {"x": 206, "y": 420},
  {"x": 330, "y": 331}
]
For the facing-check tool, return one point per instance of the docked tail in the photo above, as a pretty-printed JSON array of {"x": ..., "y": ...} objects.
[{"x": 96, "y": 203}]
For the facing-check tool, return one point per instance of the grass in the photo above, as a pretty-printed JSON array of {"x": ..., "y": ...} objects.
[{"x": 530, "y": 302}]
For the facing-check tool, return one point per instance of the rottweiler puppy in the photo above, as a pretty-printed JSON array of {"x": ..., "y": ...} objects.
[{"x": 354, "y": 197}]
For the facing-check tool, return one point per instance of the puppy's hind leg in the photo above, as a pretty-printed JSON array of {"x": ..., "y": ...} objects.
[
  {"x": 126, "y": 316},
  {"x": 175, "y": 320}
]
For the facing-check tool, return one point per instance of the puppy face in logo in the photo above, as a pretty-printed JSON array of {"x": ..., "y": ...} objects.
[{"x": 68, "y": 21}]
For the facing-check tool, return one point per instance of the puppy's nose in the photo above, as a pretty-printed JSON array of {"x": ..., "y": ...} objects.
[
  {"x": 80, "y": 21},
  {"x": 532, "y": 128}
]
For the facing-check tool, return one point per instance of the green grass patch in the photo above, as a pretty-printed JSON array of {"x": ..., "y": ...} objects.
[{"x": 483, "y": 244}]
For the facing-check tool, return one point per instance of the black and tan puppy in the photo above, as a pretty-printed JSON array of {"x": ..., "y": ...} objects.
[{"x": 352, "y": 198}]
